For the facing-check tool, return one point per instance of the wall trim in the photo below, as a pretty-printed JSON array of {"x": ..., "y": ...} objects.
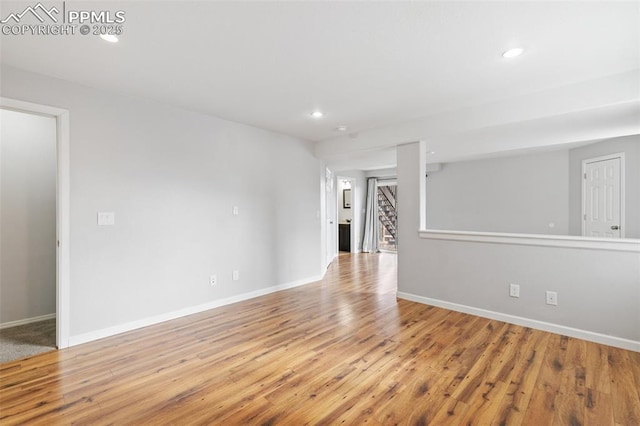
[
  {"x": 144, "y": 322},
  {"x": 591, "y": 336},
  {"x": 26, "y": 321},
  {"x": 627, "y": 244}
]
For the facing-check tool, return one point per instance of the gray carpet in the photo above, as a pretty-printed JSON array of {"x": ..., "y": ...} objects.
[{"x": 26, "y": 340}]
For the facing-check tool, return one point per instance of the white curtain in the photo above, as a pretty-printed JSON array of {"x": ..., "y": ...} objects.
[{"x": 370, "y": 241}]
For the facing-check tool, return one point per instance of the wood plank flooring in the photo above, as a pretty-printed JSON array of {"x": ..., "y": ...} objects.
[{"x": 340, "y": 351}]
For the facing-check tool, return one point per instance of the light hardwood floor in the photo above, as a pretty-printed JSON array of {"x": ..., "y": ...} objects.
[{"x": 340, "y": 351}]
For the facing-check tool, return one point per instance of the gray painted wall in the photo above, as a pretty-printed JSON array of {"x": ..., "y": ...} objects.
[
  {"x": 27, "y": 216},
  {"x": 598, "y": 290},
  {"x": 526, "y": 193},
  {"x": 172, "y": 176},
  {"x": 519, "y": 194},
  {"x": 630, "y": 145}
]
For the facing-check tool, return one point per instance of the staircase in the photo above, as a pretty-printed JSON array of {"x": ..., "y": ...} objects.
[{"x": 387, "y": 210}]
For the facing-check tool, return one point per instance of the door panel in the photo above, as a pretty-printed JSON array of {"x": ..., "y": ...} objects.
[
  {"x": 602, "y": 203},
  {"x": 331, "y": 210}
]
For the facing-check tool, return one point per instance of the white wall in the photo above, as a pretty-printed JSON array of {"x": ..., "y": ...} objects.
[
  {"x": 27, "y": 216},
  {"x": 598, "y": 290},
  {"x": 630, "y": 145},
  {"x": 172, "y": 177},
  {"x": 520, "y": 194},
  {"x": 382, "y": 173}
]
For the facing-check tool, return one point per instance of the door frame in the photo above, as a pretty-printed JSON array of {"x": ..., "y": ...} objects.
[
  {"x": 331, "y": 231},
  {"x": 63, "y": 221},
  {"x": 354, "y": 209},
  {"x": 619, "y": 155},
  {"x": 391, "y": 181}
]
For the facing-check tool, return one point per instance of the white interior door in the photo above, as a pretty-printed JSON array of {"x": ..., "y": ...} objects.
[
  {"x": 332, "y": 241},
  {"x": 603, "y": 198}
]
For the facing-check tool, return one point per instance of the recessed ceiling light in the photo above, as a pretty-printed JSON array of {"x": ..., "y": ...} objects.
[
  {"x": 109, "y": 37},
  {"x": 512, "y": 53},
  {"x": 317, "y": 114},
  {"x": 341, "y": 128},
  {"x": 432, "y": 152}
]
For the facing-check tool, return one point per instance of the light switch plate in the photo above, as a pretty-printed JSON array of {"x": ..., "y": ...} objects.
[
  {"x": 236, "y": 211},
  {"x": 106, "y": 218}
]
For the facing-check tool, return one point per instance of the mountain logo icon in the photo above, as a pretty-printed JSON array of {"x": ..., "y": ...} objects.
[{"x": 38, "y": 11}]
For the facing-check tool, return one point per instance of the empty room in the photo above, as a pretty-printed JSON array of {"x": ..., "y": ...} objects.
[{"x": 320, "y": 212}]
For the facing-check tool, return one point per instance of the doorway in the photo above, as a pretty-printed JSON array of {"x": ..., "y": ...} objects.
[
  {"x": 347, "y": 219},
  {"x": 387, "y": 195},
  {"x": 28, "y": 234},
  {"x": 58, "y": 219},
  {"x": 603, "y": 197}
]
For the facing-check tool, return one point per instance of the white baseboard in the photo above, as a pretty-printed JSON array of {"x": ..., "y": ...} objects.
[
  {"x": 144, "y": 322},
  {"x": 26, "y": 321},
  {"x": 591, "y": 336}
]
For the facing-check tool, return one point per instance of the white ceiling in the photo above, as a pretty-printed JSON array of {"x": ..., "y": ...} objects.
[{"x": 370, "y": 66}]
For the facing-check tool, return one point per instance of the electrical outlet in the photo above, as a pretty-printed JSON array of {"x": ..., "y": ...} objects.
[
  {"x": 236, "y": 275},
  {"x": 514, "y": 290},
  {"x": 213, "y": 280},
  {"x": 552, "y": 298},
  {"x": 106, "y": 218}
]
